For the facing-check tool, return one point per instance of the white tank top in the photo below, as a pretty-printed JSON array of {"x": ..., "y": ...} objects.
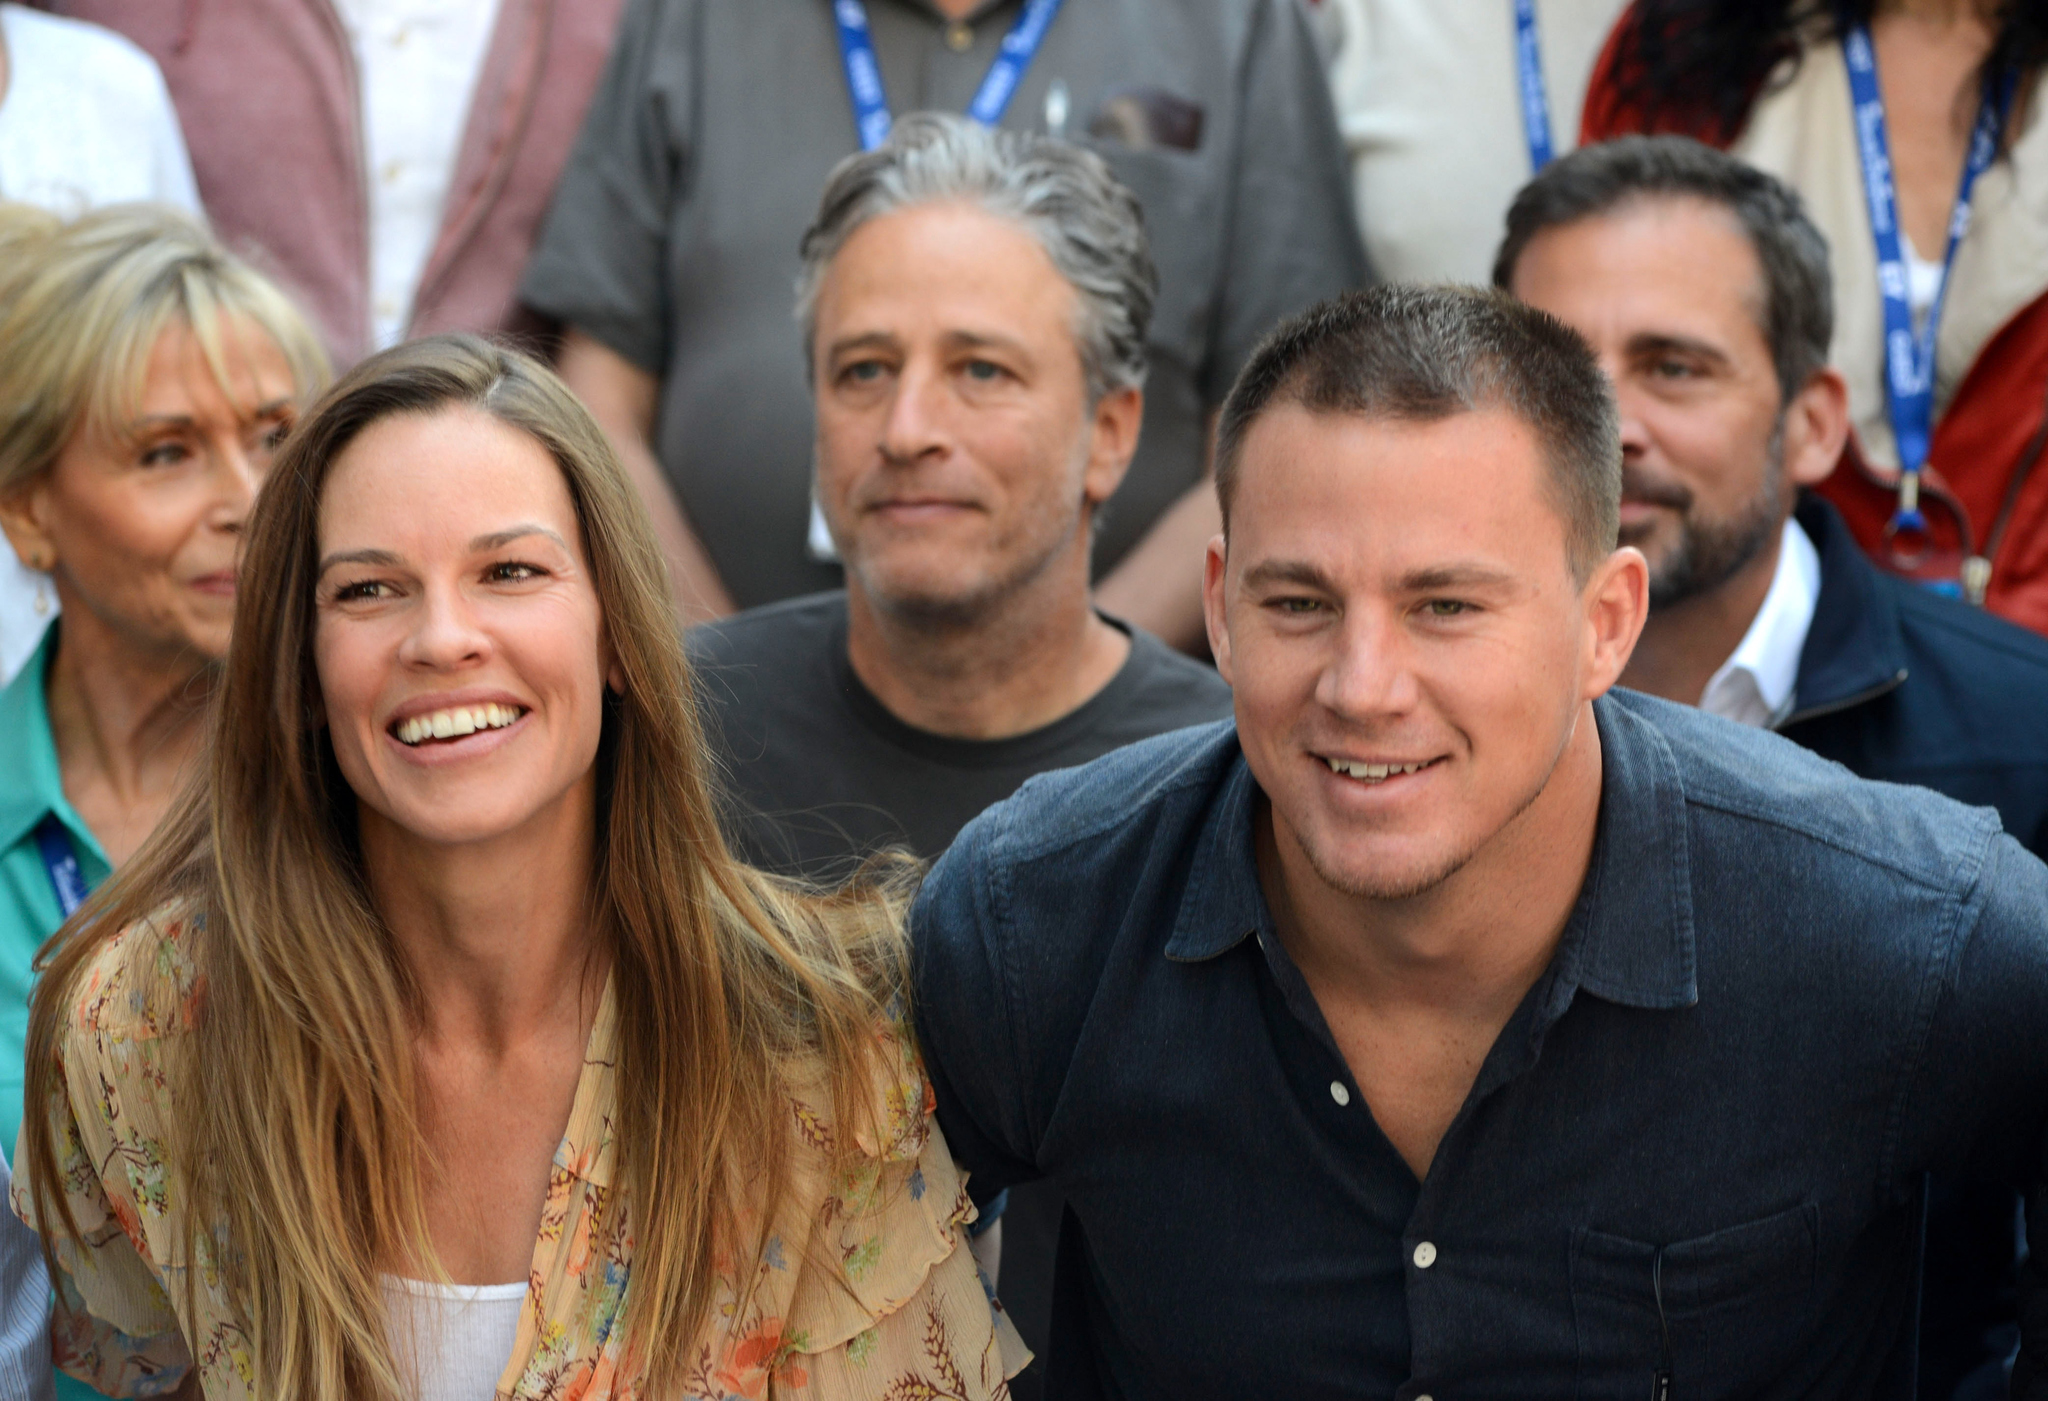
[{"x": 454, "y": 1338}]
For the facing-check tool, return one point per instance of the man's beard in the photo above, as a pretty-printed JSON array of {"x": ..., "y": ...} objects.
[{"x": 1709, "y": 553}]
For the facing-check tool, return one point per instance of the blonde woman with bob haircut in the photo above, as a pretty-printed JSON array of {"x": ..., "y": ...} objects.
[
  {"x": 146, "y": 379},
  {"x": 436, "y": 1045}
]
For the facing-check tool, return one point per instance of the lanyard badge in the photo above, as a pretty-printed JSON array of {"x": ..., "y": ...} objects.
[
  {"x": 1909, "y": 358},
  {"x": 871, "y": 117},
  {"x": 60, "y": 862},
  {"x": 1529, "y": 73}
]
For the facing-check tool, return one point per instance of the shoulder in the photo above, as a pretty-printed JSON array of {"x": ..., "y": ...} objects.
[
  {"x": 776, "y": 635},
  {"x": 1127, "y": 791},
  {"x": 1173, "y": 686},
  {"x": 1795, "y": 805},
  {"x": 144, "y": 983},
  {"x": 2007, "y": 664}
]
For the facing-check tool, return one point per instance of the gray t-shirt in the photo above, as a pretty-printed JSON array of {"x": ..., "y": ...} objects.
[
  {"x": 673, "y": 233},
  {"x": 818, "y": 773}
]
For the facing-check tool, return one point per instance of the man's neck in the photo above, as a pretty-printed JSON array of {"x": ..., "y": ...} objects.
[
  {"x": 1685, "y": 643},
  {"x": 1017, "y": 666}
]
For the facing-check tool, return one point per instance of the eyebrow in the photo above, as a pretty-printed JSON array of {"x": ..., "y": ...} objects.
[
  {"x": 482, "y": 544},
  {"x": 498, "y": 539},
  {"x": 1459, "y": 575},
  {"x": 1269, "y": 572},
  {"x": 1649, "y": 343},
  {"x": 181, "y": 420}
]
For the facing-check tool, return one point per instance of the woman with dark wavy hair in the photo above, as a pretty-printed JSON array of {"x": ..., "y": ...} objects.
[
  {"x": 436, "y": 1046},
  {"x": 1914, "y": 131}
]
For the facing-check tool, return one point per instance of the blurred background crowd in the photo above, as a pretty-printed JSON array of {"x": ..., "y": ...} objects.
[{"x": 211, "y": 206}]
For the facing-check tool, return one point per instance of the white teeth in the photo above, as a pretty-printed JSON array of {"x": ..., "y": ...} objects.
[
  {"x": 455, "y": 722},
  {"x": 1372, "y": 773}
]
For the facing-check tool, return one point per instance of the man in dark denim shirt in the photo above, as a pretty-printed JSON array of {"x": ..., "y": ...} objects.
[{"x": 1448, "y": 1027}]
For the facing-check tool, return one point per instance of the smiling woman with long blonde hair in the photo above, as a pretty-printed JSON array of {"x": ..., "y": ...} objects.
[{"x": 436, "y": 1046}]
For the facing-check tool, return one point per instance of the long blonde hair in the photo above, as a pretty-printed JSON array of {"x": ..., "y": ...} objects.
[
  {"x": 721, "y": 974},
  {"x": 83, "y": 303}
]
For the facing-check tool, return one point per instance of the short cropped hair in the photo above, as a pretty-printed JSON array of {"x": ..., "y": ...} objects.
[
  {"x": 1087, "y": 222},
  {"x": 1798, "y": 312},
  {"x": 1423, "y": 354}
]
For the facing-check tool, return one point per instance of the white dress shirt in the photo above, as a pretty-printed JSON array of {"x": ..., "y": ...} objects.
[
  {"x": 417, "y": 63},
  {"x": 1755, "y": 685},
  {"x": 85, "y": 120}
]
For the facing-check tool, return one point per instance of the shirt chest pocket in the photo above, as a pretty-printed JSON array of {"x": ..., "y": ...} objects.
[{"x": 1725, "y": 1313}]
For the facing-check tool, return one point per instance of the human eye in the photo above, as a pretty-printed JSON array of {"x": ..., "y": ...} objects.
[
  {"x": 1296, "y": 606},
  {"x": 274, "y": 434},
  {"x": 862, "y": 372},
  {"x": 167, "y": 453},
  {"x": 513, "y": 571},
  {"x": 360, "y": 590},
  {"x": 1448, "y": 608},
  {"x": 1673, "y": 369},
  {"x": 985, "y": 371}
]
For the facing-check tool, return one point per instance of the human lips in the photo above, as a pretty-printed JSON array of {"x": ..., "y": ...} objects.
[
  {"x": 219, "y": 584},
  {"x": 431, "y": 722},
  {"x": 1375, "y": 771}
]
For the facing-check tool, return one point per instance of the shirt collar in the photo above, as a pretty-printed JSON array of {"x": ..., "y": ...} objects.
[
  {"x": 31, "y": 784},
  {"x": 1855, "y": 649},
  {"x": 1629, "y": 939},
  {"x": 1755, "y": 685}
]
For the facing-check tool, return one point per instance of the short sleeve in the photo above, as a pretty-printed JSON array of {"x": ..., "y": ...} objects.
[
  {"x": 598, "y": 264},
  {"x": 1292, "y": 239},
  {"x": 965, "y": 1020},
  {"x": 114, "y": 1327}
]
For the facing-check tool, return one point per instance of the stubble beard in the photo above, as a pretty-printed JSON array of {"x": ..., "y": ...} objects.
[{"x": 1710, "y": 553}]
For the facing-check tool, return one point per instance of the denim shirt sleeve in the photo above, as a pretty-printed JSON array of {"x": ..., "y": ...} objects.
[
  {"x": 965, "y": 1016},
  {"x": 1977, "y": 1106}
]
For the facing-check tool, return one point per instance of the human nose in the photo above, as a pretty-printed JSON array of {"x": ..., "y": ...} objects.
[
  {"x": 914, "y": 428},
  {"x": 237, "y": 473},
  {"x": 1635, "y": 431},
  {"x": 445, "y": 633},
  {"x": 1370, "y": 674}
]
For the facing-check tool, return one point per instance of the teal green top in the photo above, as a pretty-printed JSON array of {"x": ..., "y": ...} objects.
[{"x": 31, "y": 788}]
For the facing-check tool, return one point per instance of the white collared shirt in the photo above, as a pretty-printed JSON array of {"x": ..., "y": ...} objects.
[
  {"x": 1755, "y": 685},
  {"x": 417, "y": 63}
]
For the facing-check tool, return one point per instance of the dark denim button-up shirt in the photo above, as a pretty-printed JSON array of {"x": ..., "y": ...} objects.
[{"x": 1697, "y": 1148}]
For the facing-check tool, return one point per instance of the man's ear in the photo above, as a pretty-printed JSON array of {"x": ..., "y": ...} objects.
[
  {"x": 1816, "y": 427},
  {"x": 1212, "y": 605},
  {"x": 1617, "y": 599},
  {"x": 1113, "y": 439}
]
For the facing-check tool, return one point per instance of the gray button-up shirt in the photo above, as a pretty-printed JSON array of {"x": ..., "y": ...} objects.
[{"x": 673, "y": 234}]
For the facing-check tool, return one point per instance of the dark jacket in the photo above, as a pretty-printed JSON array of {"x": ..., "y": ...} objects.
[{"x": 1900, "y": 684}]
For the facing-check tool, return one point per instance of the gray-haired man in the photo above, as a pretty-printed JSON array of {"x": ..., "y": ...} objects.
[{"x": 975, "y": 305}]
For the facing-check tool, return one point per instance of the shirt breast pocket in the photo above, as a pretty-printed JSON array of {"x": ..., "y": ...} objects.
[{"x": 1726, "y": 1312}]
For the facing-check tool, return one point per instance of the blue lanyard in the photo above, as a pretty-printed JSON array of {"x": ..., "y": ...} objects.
[
  {"x": 1535, "y": 98},
  {"x": 62, "y": 864},
  {"x": 864, "y": 74},
  {"x": 1909, "y": 359}
]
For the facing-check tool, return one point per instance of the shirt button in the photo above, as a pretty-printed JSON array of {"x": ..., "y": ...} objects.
[
  {"x": 1339, "y": 1093},
  {"x": 1425, "y": 1256},
  {"x": 959, "y": 38}
]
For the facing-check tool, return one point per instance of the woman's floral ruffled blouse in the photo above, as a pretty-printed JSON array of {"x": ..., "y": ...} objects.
[{"x": 868, "y": 1290}]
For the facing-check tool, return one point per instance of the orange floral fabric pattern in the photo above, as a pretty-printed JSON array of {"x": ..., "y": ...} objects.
[{"x": 864, "y": 1288}]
